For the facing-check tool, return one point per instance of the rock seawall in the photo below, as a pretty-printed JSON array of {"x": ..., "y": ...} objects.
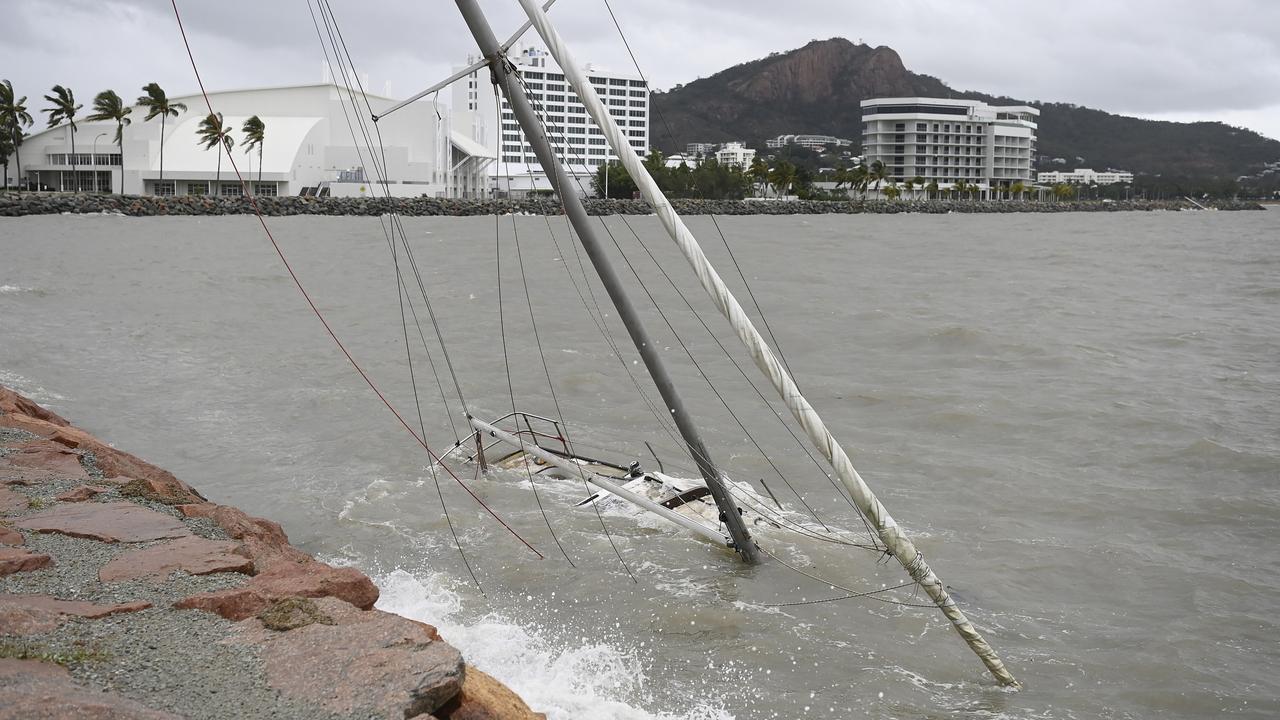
[
  {"x": 14, "y": 204},
  {"x": 124, "y": 593}
]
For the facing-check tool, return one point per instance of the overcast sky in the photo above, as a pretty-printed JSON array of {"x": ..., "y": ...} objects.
[{"x": 1168, "y": 59}]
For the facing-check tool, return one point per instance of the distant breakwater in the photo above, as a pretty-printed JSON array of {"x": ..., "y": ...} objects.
[{"x": 14, "y": 204}]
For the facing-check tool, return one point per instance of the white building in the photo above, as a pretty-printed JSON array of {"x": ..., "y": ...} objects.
[
  {"x": 945, "y": 141},
  {"x": 579, "y": 144},
  {"x": 1085, "y": 176},
  {"x": 813, "y": 142},
  {"x": 703, "y": 149},
  {"x": 735, "y": 154},
  {"x": 308, "y": 148}
]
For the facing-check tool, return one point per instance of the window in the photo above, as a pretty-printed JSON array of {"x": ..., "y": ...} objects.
[
  {"x": 636, "y": 113},
  {"x": 638, "y": 93},
  {"x": 535, "y": 75},
  {"x": 265, "y": 189},
  {"x": 616, "y": 91},
  {"x": 230, "y": 189},
  {"x": 921, "y": 127},
  {"x": 637, "y": 103},
  {"x": 197, "y": 188},
  {"x": 617, "y": 81},
  {"x": 164, "y": 189},
  {"x": 637, "y": 83}
]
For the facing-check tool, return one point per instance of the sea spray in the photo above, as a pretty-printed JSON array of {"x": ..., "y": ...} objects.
[{"x": 585, "y": 681}]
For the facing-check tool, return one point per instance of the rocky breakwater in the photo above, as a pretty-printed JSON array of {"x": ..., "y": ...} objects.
[
  {"x": 13, "y": 204},
  {"x": 125, "y": 593}
]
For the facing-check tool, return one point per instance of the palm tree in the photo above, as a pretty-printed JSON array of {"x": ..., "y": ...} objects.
[
  {"x": 859, "y": 178},
  {"x": 759, "y": 174},
  {"x": 157, "y": 103},
  {"x": 6, "y": 149},
  {"x": 877, "y": 173},
  {"x": 931, "y": 190},
  {"x": 1017, "y": 188},
  {"x": 108, "y": 106},
  {"x": 910, "y": 185},
  {"x": 782, "y": 177},
  {"x": 892, "y": 192},
  {"x": 13, "y": 117},
  {"x": 212, "y": 134},
  {"x": 64, "y": 110},
  {"x": 254, "y": 133}
]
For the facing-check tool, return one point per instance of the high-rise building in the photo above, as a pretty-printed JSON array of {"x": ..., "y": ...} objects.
[
  {"x": 945, "y": 141},
  {"x": 579, "y": 144}
]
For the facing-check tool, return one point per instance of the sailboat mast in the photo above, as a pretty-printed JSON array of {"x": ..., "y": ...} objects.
[
  {"x": 504, "y": 75},
  {"x": 890, "y": 533}
]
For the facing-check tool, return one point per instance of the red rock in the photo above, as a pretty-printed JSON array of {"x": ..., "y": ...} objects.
[
  {"x": 364, "y": 661},
  {"x": 484, "y": 698},
  {"x": 13, "y": 403},
  {"x": 70, "y": 607},
  {"x": 22, "y": 619},
  {"x": 9, "y": 536},
  {"x": 11, "y": 502},
  {"x": 312, "y": 579},
  {"x": 107, "y": 522},
  {"x": 264, "y": 541},
  {"x": 111, "y": 461},
  {"x": 194, "y": 555},
  {"x": 44, "y": 459},
  {"x": 80, "y": 494},
  {"x": 169, "y": 491},
  {"x": 16, "y": 560},
  {"x": 35, "y": 690}
]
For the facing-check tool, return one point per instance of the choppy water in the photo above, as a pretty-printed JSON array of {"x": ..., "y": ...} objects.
[{"x": 1076, "y": 415}]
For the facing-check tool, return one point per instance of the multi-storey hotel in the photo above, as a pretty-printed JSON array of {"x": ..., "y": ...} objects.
[
  {"x": 579, "y": 144},
  {"x": 1085, "y": 176},
  {"x": 945, "y": 141}
]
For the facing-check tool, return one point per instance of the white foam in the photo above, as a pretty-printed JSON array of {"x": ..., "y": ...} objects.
[
  {"x": 14, "y": 289},
  {"x": 589, "y": 681}
]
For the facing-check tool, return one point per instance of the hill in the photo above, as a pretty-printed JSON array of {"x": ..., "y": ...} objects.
[{"x": 818, "y": 88}]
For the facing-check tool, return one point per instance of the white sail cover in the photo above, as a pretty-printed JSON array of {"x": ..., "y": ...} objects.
[{"x": 888, "y": 530}]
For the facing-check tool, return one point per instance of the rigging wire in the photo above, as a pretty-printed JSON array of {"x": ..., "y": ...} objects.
[{"x": 306, "y": 296}]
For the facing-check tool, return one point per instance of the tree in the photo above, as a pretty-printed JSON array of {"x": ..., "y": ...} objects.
[
  {"x": 782, "y": 176},
  {"x": 916, "y": 181},
  {"x": 1063, "y": 191},
  {"x": 931, "y": 190},
  {"x": 108, "y": 106},
  {"x": 877, "y": 173},
  {"x": 64, "y": 110},
  {"x": 254, "y": 133},
  {"x": 157, "y": 104},
  {"x": 6, "y": 149},
  {"x": 1017, "y": 188},
  {"x": 212, "y": 134},
  {"x": 13, "y": 117},
  {"x": 759, "y": 174},
  {"x": 910, "y": 186},
  {"x": 892, "y": 192},
  {"x": 860, "y": 179},
  {"x": 620, "y": 185}
]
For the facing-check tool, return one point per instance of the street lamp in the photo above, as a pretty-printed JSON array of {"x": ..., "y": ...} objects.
[{"x": 94, "y": 162}]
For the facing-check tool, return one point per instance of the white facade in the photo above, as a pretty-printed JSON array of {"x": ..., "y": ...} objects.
[
  {"x": 813, "y": 142},
  {"x": 735, "y": 154},
  {"x": 696, "y": 149},
  {"x": 946, "y": 141},
  {"x": 580, "y": 145},
  {"x": 308, "y": 148},
  {"x": 1085, "y": 176}
]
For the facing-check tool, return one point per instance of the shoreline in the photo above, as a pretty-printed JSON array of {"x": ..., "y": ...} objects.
[
  {"x": 124, "y": 592},
  {"x": 19, "y": 204}
]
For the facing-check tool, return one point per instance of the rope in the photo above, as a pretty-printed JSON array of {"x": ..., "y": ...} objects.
[{"x": 253, "y": 202}]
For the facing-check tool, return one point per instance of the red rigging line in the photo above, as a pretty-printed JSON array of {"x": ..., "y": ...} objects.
[{"x": 253, "y": 202}]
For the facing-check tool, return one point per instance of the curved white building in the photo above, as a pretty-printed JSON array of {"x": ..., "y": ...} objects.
[
  {"x": 945, "y": 141},
  {"x": 308, "y": 149}
]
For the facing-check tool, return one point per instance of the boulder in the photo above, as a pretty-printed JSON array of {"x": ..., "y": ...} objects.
[
  {"x": 264, "y": 541},
  {"x": 484, "y": 698},
  {"x": 80, "y": 494},
  {"x": 13, "y": 403},
  {"x": 168, "y": 491},
  {"x": 106, "y": 522},
  {"x": 35, "y": 690},
  {"x": 43, "y": 460},
  {"x": 11, "y": 502},
  {"x": 9, "y": 536},
  {"x": 16, "y": 560},
  {"x": 49, "y": 604},
  {"x": 366, "y": 661},
  {"x": 194, "y": 555},
  {"x": 311, "y": 579}
]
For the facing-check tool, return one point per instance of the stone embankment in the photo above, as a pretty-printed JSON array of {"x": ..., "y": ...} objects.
[
  {"x": 125, "y": 593},
  {"x": 13, "y": 204}
]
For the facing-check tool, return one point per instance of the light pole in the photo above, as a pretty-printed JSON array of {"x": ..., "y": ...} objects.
[{"x": 94, "y": 163}]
